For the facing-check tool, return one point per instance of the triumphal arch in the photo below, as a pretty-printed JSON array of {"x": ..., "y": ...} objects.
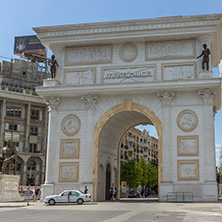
[{"x": 115, "y": 75}]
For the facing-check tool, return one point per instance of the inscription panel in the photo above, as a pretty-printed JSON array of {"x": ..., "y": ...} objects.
[
  {"x": 88, "y": 55},
  {"x": 129, "y": 74},
  {"x": 178, "y": 71},
  {"x": 188, "y": 170},
  {"x": 68, "y": 172},
  {"x": 80, "y": 76},
  {"x": 170, "y": 50},
  {"x": 188, "y": 145},
  {"x": 69, "y": 149}
]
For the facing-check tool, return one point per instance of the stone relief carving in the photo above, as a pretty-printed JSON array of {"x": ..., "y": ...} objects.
[
  {"x": 166, "y": 97},
  {"x": 69, "y": 149},
  {"x": 53, "y": 102},
  {"x": 70, "y": 125},
  {"x": 187, "y": 120},
  {"x": 188, "y": 145},
  {"x": 208, "y": 96},
  {"x": 13, "y": 186},
  {"x": 128, "y": 52},
  {"x": 171, "y": 49},
  {"x": 178, "y": 72},
  {"x": 80, "y": 77},
  {"x": 90, "y": 101},
  {"x": 188, "y": 170},
  {"x": 133, "y": 74},
  {"x": 68, "y": 172},
  {"x": 89, "y": 55}
]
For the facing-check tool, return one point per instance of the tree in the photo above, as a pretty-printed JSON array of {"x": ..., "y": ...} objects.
[
  {"x": 143, "y": 165},
  {"x": 131, "y": 173}
]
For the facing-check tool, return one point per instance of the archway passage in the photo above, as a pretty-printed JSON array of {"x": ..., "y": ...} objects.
[
  {"x": 108, "y": 133},
  {"x": 108, "y": 180}
]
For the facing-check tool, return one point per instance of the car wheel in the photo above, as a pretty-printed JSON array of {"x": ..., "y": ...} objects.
[
  {"x": 51, "y": 202},
  {"x": 80, "y": 201}
]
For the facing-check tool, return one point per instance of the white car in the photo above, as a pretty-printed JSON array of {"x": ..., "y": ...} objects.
[{"x": 68, "y": 196}]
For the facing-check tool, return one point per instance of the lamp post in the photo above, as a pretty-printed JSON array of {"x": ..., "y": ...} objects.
[{"x": 30, "y": 174}]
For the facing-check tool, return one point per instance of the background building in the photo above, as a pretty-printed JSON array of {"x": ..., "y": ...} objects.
[
  {"x": 137, "y": 144},
  {"x": 23, "y": 117}
]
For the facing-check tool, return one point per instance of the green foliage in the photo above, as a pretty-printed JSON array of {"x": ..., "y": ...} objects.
[
  {"x": 141, "y": 174},
  {"x": 131, "y": 173}
]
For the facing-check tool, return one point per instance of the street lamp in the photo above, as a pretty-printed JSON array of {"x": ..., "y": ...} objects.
[{"x": 31, "y": 164}]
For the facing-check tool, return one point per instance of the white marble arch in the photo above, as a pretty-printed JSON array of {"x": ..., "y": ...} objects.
[{"x": 180, "y": 102}]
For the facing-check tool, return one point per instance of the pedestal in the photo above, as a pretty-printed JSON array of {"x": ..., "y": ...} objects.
[
  {"x": 51, "y": 82},
  {"x": 205, "y": 75},
  {"x": 9, "y": 191}
]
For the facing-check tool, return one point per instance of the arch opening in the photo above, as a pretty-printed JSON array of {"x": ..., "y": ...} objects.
[{"x": 108, "y": 134}]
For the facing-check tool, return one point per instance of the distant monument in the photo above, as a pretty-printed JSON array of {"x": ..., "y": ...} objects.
[
  {"x": 9, "y": 184},
  {"x": 205, "y": 53}
]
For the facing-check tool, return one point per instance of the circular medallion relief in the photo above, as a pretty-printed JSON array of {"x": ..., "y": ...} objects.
[
  {"x": 187, "y": 120},
  {"x": 70, "y": 125},
  {"x": 128, "y": 52}
]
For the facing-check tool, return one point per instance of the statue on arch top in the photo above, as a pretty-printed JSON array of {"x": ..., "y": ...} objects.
[
  {"x": 53, "y": 63},
  {"x": 205, "y": 53}
]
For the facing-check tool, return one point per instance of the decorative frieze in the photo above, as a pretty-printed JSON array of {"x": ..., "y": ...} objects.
[
  {"x": 187, "y": 146},
  {"x": 128, "y": 74},
  {"x": 180, "y": 49},
  {"x": 53, "y": 102},
  {"x": 128, "y": 52},
  {"x": 188, "y": 170},
  {"x": 90, "y": 101},
  {"x": 88, "y": 55},
  {"x": 166, "y": 97},
  {"x": 178, "y": 71},
  {"x": 70, "y": 125},
  {"x": 207, "y": 96},
  {"x": 69, "y": 172},
  {"x": 80, "y": 76},
  {"x": 69, "y": 149},
  {"x": 187, "y": 120}
]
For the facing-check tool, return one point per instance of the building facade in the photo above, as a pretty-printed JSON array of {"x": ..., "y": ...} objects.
[
  {"x": 137, "y": 144},
  {"x": 24, "y": 117},
  {"x": 113, "y": 76}
]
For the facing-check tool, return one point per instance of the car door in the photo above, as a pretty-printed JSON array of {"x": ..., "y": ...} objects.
[
  {"x": 63, "y": 198},
  {"x": 73, "y": 196}
]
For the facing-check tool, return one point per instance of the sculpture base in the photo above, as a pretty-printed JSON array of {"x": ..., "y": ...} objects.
[
  {"x": 51, "y": 82},
  {"x": 205, "y": 75},
  {"x": 9, "y": 188}
]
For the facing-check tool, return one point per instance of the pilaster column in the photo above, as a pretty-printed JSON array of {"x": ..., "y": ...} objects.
[
  {"x": 2, "y": 127},
  {"x": 90, "y": 101},
  {"x": 166, "y": 98},
  {"x": 208, "y": 97},
  {"x": 28, "y": 111},
  {"x": 53, "y": 103}
]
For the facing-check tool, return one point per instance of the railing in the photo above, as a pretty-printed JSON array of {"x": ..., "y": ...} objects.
[{"x": 180, "y": 197}]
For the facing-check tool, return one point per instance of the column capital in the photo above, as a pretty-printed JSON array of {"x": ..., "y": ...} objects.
[
  {"x": 207, "y": 96},
  {"x": 53, "y": 102},
  {"x": 166, "y": 97},
  {"x": 90, "y": 101}
]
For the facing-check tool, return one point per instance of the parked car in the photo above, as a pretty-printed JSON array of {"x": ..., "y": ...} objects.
[
  {"x": 134, "y": 193},
  {"x": 68, "y": 196}
]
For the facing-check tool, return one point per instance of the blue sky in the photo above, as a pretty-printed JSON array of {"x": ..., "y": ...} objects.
[{"x": 19, "y": 16}]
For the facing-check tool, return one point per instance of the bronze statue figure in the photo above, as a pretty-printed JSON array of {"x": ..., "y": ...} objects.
[
  {"x": 53, "y": 63},
  {"x": 205, "y": 53},
  {"x": 8, "y": 159}
]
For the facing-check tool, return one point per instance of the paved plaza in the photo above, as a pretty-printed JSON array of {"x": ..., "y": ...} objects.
[{"x": 139, "y": 210}]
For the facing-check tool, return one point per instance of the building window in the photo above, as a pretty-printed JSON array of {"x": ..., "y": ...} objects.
[
  {"x": 33, "y": 147},
  {"x": 31, "y": 165},
  {"x": 13, "y": 89},
  {"x": 34, "y": 114},
  {"x": 13, "y": 111},
  {"x": 33, "y": 139}
]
